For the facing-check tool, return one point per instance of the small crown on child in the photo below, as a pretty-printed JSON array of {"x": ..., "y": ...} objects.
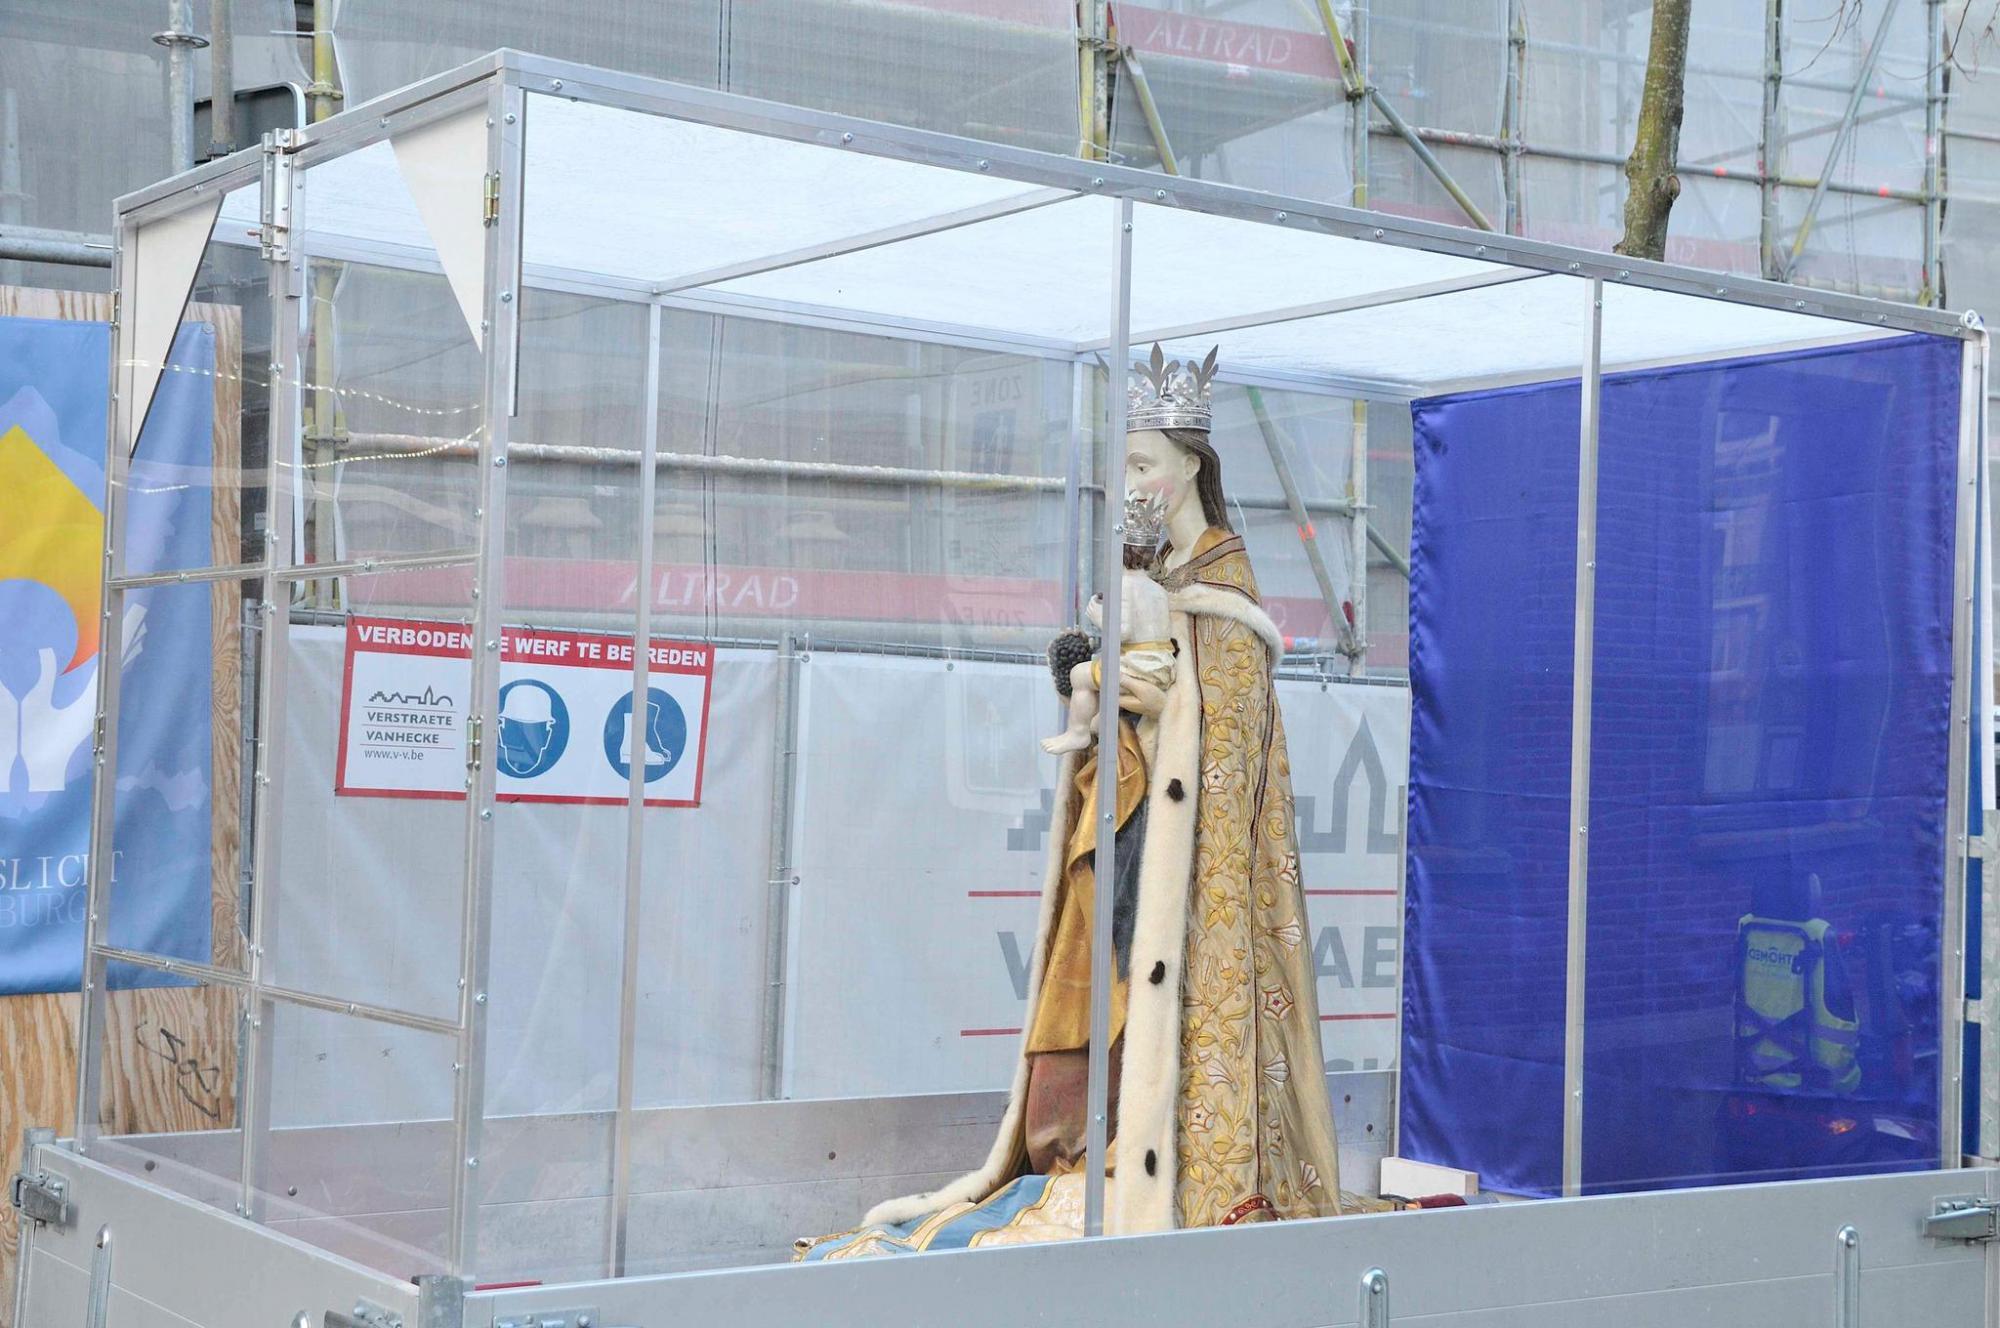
[
  {"x": 1170, "y": 395},
  {"x": 1145, "y": 521}
]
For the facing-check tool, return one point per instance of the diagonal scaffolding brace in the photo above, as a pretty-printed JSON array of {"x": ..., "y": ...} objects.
[
  {"x": 1841, "y": 135},
  {"x": 1359, "y": 89}
]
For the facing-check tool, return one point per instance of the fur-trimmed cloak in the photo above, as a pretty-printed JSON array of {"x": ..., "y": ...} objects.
[{"x": 1223, "y": 1115}]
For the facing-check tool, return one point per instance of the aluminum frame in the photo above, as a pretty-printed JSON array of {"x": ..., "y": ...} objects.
[
  {"x": 501, "y": 83},
  {"x": 104, "y": 781},
  {"x": 434, "y": 97},
  {"x": 1659, "y": 1259},
  {"x": 1957, "y": 846},
  {"x": 1583, "y": 656},
  {"x": 285, "y": 275},
  {"x": 635, "y": 825},
  {"x": 1110, "y": 571},
  {"x": 1763, "y": 1253},
  {"x": 505, "y": 148}
]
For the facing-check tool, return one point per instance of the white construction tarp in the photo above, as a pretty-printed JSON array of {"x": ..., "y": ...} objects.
[{"x": 918, "y": 830}]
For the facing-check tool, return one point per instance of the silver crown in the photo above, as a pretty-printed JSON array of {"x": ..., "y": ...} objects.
[
  {"x": 1170, "y": 395},
  {"x": 1145, "y": 522}
]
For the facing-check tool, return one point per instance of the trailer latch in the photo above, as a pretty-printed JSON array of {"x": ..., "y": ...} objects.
[
  {"x": 550, "y": 1319},
  {"x": 366, "y": 1314},
  {"x": 42, "y": 1199},
  {"x": 1969, "y": 1219}
]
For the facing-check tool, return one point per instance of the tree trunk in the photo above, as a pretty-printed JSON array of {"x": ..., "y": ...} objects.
[{"x": 1651, "y": 185}]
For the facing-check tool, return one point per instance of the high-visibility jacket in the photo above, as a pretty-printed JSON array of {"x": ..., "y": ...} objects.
[{"x": 1795, "y": 1024}]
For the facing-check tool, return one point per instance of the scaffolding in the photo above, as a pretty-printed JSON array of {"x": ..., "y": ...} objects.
[
  {"x": 1866, "y": 99},
  {"x": 1244, "y": 96},
  {"x": 1148, "y": 93}
]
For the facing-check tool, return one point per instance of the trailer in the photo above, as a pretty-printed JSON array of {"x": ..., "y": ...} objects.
[{"x": 640, "y": 810}]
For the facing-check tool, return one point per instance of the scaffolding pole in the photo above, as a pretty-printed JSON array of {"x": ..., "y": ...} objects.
[
  {"x": 1513, "y": 114},
  {"x": 1141, "y": 89},
  {"x": 221, "y": 81},
  {"x": 402, "y": 446},
  {"x": 1841, "y": 135},
  {"x": 1465, "y": 138},
  {"x": 1934, "y": 109},
  {"x": 324, "y": 424},
  {"x": 181, "y": 43},
  {"x": 1128, "y": 60},
  {"x": 1357, "y": 109},
  {"x": 1359, "y": 87},
  {"x": 1338, "y": 607},
  {"x": 1358, "y": 530},
  {"x": 1770, "y": 139},
  {"x": 1093, "y": 84},
  {"x": 33, "y": 244}
]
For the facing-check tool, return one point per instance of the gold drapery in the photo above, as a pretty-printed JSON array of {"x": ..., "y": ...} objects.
[
  {"x": 1062, "y": 1016},
  {"x": 1256, "y": 1137}
]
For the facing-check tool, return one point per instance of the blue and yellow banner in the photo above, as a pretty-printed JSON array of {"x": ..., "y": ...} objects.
[{"x": 53, "y": 401}]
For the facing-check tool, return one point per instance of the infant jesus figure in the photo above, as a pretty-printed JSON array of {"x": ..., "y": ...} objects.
[{"x": 1145, "y": 648}]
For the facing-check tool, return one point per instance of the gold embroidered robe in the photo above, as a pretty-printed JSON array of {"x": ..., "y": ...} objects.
[
  {"x": 1223, "y": 1114},
  {"x": 1256, "y": 1136}
]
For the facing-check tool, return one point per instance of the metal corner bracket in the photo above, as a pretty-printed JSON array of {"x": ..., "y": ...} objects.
[{"x": 1971, "y": 1219}]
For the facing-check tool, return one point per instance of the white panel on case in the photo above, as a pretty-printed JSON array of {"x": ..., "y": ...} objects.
[
  {"x": 444, "y": 167},
  {"x": 167, "y": 254}
]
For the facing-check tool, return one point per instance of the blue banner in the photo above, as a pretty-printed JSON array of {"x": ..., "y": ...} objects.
[
  {"x": 1769, "y": 752},
  {"x": 53, "y": 401}
]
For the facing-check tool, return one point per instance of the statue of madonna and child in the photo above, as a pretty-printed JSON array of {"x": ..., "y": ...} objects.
[{"x": 1218, "y": 1102}]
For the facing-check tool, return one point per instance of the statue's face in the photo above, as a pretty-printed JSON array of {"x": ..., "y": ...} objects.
[{"x": 1155, "y": 464}]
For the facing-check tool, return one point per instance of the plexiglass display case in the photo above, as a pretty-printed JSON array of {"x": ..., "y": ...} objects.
[{"x": 617, "y": 850}]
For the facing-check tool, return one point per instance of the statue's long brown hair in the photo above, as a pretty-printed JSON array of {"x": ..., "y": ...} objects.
[{"x": 1207, "y": 480}]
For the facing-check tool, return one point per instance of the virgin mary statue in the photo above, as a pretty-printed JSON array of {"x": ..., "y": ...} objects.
[{"x": 1218, "y": 1091}]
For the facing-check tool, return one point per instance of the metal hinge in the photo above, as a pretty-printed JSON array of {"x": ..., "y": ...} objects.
[
  {"x": 492, "y": 213},
  {"x": 43, "y": 1199},
  {"x": 1969, "y": 1219},
  {"x": 473, "y": 742},
  {"x": 97, "y": 735},
  {"x": 274, "y": 229}
]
